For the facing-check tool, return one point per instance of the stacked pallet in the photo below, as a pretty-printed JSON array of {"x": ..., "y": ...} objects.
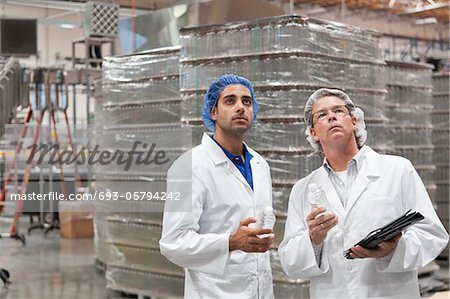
[
  {"x": 286, "y": 58},
  {"x": 441, "y": 125},
  {"x": 139, "y": 102},
  {"x": 408, "y": 109}
]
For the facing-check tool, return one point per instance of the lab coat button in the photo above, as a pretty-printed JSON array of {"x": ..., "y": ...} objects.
[{"x": 349, "y": 268}]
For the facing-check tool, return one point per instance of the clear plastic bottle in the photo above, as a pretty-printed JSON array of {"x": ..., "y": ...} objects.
[
  {"x": 317, "y": 198},
  {"x": 264, "y": 219}
]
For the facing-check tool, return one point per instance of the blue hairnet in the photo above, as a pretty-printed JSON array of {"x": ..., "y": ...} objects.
[{"x": 213, "y": 92}]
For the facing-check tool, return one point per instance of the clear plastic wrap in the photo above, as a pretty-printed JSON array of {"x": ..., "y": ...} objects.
[
  {"x": 117, "y": 93},
  {"x": 145, "y": 283},
  {"x": 441, "y": 137},
  {"x": 284, "y": 287},
  {"x": 290, "y": 168},
  {"x": 442, "y": 201},
  {"x": 441, "y": 132},
  {"x": 283, "y": 136},
  {"x": 426, "y": 173},
  {"x": 409, "y": 115},
  {"x": 101, "y": 248},
  {"x": 126, "y": 183},
  {"x": 280, "y": 34},
  {"x": 286, "y": 58},
  {"x": 287, "y": 102},
  {"x": 441, "y": 101},
  {"x": 141, "y": 67},
  {"x": 133, "y": 232},
  {"x": 418, "y": 155},
  {"x": 409, "y": 74},
  {"x": 442, "y": 172},
  {"x": 409, "y": 111},
  {"x": 441, "y": 83},
  {"x": 441, "y": 118},
  {"x": 408, "y": 135},
  {"x": 280, "y": 196},
  {"x": 142, "y": 258},
  {"x": 286, "y": 70},
  {"x": 165, "y": 111},
  {"x": 138, "y": 103},
  {"x": 409, "y": 96}
]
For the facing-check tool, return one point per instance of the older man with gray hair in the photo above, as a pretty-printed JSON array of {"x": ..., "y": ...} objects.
[{"x": 364, "y": 190}]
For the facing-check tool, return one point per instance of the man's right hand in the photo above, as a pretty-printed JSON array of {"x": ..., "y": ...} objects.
[
  {"x": 319, "y": 227},
  {"x": 246, "y": 239}
]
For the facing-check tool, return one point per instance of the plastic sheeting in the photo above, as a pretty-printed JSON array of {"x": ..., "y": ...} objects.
[
  {"x": 409, "y": 105},
  {"x": 441, "y": 132},
  {"x": 286, "y": 58},
  {"x": 139, "y": 100},
  {"x": 280, "y": 34}
]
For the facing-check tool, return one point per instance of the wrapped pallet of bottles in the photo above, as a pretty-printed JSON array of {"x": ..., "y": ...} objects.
[
  {"x": 409, "y": 106},
  {"x": 139, "y": 104},
  {"x": 286, "y": 58},
  {"x": 441, "y": 125}
]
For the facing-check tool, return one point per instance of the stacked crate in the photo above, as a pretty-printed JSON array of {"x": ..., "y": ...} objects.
[
  {"x": 139, "y": 101},
  {"x": 409, "y": 105},
  {"x": 441, "y": 124},
  {"x": 286, "y": 58}
]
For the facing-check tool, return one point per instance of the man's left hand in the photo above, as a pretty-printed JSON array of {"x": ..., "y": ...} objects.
[{"x": 383, "y": 249}]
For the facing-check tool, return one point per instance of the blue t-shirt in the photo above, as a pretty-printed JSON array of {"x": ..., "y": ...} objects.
[{"x": 244, "y": 168}]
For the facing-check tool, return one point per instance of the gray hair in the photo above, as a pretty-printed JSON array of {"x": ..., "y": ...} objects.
[{"x": 356, "y": 112}]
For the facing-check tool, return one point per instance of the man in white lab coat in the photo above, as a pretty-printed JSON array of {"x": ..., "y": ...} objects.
[
  {"x": 230, "y": 183},
  {"x": 365, "y": 191}
]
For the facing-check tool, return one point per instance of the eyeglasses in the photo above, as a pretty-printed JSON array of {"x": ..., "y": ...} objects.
[{"x": 338, "y": 111}]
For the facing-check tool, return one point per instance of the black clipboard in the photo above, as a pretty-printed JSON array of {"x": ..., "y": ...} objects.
[{"x": 387, "y": 232}]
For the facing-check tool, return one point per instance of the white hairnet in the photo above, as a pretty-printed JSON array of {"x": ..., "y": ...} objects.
[{"x": 356, "y": 112}]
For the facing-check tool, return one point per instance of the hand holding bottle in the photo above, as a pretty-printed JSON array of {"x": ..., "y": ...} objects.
[
  {"x": 264, "y": 220},
  {"x": 321, "y": 219}
]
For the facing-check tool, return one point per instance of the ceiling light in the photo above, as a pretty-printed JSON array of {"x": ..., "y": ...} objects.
[{"x": 426, "y": 21}]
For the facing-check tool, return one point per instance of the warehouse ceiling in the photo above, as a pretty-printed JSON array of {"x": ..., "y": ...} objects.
[
  {"x": 419, "y": 9},
  {"x": 416, "y": 9},
  {"x": 426, "y": 11}
]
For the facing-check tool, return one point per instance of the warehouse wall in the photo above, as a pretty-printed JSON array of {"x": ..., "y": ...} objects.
[{"x": 54, "y": 43}]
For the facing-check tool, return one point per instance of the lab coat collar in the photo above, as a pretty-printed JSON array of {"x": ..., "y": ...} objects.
[
  {"x": 213, "y": 149},
  {"x": 219, "y": 157},
  {"x": 368, "y": 170},
  {"x": 358, "y": 159},
  {"x": 372, "y": 162},
  {"x": 217, "y": 154}
]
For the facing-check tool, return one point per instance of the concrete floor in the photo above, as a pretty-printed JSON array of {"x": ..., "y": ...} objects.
[{"x": 50, "y": 268}]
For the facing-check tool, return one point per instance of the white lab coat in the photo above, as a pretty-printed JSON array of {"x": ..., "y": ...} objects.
[
  {"x": 385, "y": 188},
  {"x": 197, "y": 240}
]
